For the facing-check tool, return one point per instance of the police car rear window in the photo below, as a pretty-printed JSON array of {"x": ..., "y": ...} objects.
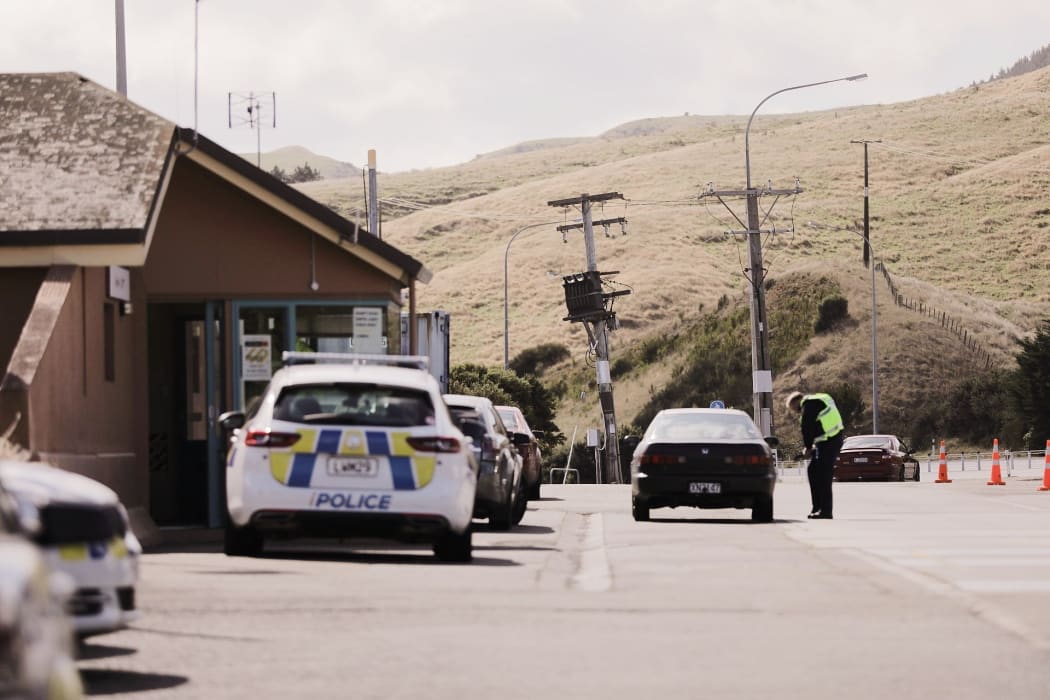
[{"x": 354, "y": 404}]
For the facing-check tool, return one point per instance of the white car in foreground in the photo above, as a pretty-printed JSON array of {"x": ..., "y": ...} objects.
[
  {"x": 83, "y": 530},
  {"x": 349, "y": 446},
  {"x": 36, "y": 638}
]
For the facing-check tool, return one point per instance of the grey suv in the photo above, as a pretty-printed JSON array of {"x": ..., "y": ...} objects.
[{"x": 500, "y": 495}]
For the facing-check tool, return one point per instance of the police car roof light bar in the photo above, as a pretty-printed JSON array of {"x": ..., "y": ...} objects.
[{"x": 289, "y": 357}]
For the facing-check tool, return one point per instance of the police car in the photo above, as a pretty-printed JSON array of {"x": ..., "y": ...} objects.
[
  {"x": 346, "y": 446},
  {"x": 83, "y": 530}
]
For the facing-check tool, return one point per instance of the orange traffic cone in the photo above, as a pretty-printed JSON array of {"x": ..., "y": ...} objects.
[
  {"x": 1046, "y": 471},
  {"x": 997, "y": 476},
  {"x": 942, "y": 471}
]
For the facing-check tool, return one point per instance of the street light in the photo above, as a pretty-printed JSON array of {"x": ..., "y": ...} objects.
[
  {"x": 874, "y": 325},
  {"x": 761, "y": 370},
  {"x": 506, "y": 323}
]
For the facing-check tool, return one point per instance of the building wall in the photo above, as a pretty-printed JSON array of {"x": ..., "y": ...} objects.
[
  {"x": 79, "y": 420},
  {"x": 18, "y": 288},
  {"x": 214, "y": 241}
]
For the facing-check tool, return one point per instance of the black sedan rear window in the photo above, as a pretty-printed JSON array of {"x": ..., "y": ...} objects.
[
  {"x": 696, "y": 427},
  {"x": 354, "y": 404}
]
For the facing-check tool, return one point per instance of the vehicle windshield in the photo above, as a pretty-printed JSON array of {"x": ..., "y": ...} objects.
[
  {"x": 697, "y": 427},
  {"x": 354, "y": 404},
  {"x": 867, "y": 442}
]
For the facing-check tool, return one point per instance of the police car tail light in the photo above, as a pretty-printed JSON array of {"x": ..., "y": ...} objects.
[
  {"x": 265, "y": 438},
  {"x": 435, "y": 444}
]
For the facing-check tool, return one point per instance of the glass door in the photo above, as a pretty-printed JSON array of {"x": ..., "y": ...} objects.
[{"x": 262, "y": 335}]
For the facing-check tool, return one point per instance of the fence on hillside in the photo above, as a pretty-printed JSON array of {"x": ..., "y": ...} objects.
[{"x": 946, "y": 320}]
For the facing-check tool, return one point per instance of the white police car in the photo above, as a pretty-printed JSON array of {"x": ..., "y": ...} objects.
[
  {"x": 349, "y": 446},
  {"x": 83, "y": 530}
]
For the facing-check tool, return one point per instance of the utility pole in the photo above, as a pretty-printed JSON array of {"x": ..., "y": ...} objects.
[
  {"x": 373, "y": 195},
  {"x": 867, "y": 246},
  {"x": 122, "y": 62},
  {"x": 761, "y": 368},
  {"x": 589, "y": 305}
]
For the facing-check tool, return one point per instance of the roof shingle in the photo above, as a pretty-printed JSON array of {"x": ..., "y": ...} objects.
[{"x": 76, "y": 156}]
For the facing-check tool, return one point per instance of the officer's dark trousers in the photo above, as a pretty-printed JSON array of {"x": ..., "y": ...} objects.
[{"x": 821, "y": 469}]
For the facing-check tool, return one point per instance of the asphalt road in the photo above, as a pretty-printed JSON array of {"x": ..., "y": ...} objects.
[{"x": 913, "y": 591}]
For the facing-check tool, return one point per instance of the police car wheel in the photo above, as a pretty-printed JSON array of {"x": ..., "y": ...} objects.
[
  {"x": 242, "y": 541},
  {"x": 455, "y": 547}
]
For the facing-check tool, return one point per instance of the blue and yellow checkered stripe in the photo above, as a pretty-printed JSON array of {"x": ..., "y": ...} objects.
[
  {"x": 84, "y": 551},
  {"x": 295, "y": 466}
]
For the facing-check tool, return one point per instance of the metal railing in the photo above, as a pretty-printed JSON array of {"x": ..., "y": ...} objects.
[{"x": 1009, "y": 461}]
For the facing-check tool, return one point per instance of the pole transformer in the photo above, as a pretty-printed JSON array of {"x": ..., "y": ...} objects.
[{"x": 588, "y": 304}]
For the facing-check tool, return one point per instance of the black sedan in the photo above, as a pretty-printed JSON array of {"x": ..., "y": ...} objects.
[{"x": 705, "y": 458}]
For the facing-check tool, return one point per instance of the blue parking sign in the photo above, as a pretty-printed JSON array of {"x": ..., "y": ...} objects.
[{"x": 718, "y": 403}]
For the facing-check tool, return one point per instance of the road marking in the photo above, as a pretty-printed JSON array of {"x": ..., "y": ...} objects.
[
  {"x": 593, "y": 575},
  {"x": 964, "y": 598},
  {"x": 1004, "y": 586}
]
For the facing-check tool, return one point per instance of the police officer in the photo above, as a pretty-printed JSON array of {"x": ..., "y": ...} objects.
[{"x": 822, "y": 434}]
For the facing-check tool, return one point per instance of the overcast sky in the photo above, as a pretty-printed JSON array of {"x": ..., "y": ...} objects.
[{"x": 436, "y": 82}]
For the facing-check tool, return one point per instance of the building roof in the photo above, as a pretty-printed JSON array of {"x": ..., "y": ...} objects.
[
  {"x": 78, "y": 163},
  {"x": 83, "y": 167}
]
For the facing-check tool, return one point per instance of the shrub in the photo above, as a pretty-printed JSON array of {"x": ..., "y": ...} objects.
[
  {"x": 537, "y": 359},
  {"x": 831, "y": 311}
]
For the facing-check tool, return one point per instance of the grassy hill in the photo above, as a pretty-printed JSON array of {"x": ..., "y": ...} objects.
[
  {"x": 960, "y": 214},
  {"x": 289, "y": 157}
]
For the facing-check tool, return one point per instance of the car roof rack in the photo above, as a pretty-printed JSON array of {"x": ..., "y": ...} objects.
[{"x": 289, "y": 357}]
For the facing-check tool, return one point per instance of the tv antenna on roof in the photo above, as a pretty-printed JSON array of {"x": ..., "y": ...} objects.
[{"x": 256, "y": 110}]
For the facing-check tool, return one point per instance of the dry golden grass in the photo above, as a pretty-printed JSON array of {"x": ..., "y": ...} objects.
[{"x": 960, "y": 212}]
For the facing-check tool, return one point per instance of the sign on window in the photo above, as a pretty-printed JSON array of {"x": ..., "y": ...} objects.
[{"x": 256, "y": 358}]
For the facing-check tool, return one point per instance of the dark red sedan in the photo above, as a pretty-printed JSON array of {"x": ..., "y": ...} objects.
[{"x": 875, "y": 458}]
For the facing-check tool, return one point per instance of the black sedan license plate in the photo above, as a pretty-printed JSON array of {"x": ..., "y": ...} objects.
[{"x": 705, "y": 487}]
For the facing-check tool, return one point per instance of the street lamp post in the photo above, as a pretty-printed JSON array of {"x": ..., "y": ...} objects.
[
  {"x": 761, "y": 370},
  {"x": 506, "y": 303},
  {"x": 874, "y": 325}
]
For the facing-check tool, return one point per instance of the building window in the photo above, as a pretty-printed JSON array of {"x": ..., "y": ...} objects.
[{"x": 109, "y": 324}]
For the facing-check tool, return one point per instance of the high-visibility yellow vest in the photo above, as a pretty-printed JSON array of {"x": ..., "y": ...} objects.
[{"x": 830, "y": 419}]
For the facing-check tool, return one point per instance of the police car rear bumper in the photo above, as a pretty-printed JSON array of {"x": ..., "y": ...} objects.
[
  {"x": 404, "y": 527},
  {"x": 262, "y": 502}
]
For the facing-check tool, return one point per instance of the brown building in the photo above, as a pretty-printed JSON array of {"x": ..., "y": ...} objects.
[{"x": 149, "y": 280}]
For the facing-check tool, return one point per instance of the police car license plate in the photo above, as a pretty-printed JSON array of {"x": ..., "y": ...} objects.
[
  {"x": 352, "y": 466},
  {"x": 704, "y": 487}
]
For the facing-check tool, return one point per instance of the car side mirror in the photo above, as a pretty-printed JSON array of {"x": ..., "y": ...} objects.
[
  {"x": 520, "y": 439},
  {"x": 231, "y": 420}
]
